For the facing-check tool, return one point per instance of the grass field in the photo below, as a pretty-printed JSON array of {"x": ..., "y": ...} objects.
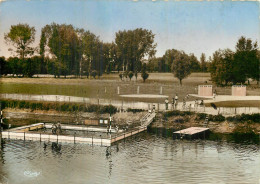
[
  {"x": 95, "y": 88},
  {"x": 240, "y": 103}
]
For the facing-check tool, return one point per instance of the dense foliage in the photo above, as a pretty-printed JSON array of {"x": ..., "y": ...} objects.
[
  {"x": 236, "y": 67},
  {"x": 66, "y": 107}
]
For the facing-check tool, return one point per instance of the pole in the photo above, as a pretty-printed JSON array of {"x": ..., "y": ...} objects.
[{"x": 1, "y": 121}]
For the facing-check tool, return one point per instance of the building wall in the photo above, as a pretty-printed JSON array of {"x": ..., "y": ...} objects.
[
  {"x": 205, "y": 90},
  {"x": 238, "y": 90}
]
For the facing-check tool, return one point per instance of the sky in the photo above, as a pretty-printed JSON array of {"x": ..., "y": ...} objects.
[{"x": 194, "y": 27}]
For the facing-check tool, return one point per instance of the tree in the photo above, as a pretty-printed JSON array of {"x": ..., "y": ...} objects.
[
  {"x": 203, "y": 64},
  {"x": 15, "y": 66},
  {"x": 133, "y": 46},
  {"x": 153, "y": 64},
  {"x": 136, "y": 75},
  {"x": 221, "y": 67},
  {"x": 144, "y": 74},
  {"x": 194, "y": 63},
  {"x": 168, "y": 58},
  {"x": 246, "y": 61},
  {"x": 130, "y": 75},
  {"x": 181, "y": 66},
  {"x": 32, "y": 66},
  {"x": 3, "y": 66},
  {"x": 21, "y": 36},
  {"x": 65, "y": 47}
]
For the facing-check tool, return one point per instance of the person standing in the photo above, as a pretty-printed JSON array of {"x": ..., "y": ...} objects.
[
  {"x": 176, "y": 101},
  {"x": 173, "y": 101},
  {"x": 166, "y": 103},
  {"x": 110, "y": 123}
]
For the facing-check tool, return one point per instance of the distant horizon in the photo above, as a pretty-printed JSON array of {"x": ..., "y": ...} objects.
[{"x": 194, "y": 27}]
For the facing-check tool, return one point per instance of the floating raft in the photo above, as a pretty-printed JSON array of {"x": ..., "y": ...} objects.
[{"x": 192, "y": 131}]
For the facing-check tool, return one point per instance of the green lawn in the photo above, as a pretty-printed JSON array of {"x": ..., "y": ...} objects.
[{"x": 95, "y": 88}]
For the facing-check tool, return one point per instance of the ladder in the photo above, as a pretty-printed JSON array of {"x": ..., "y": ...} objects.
[{"x": 206, "y": 121}]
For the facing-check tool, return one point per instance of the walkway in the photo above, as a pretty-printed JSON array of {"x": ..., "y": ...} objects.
[{"x": 190, "y": 105}]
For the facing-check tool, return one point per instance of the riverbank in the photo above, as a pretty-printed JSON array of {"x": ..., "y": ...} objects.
[
  {"x": 174, "y": 120},
  {"x": 177, "y": 120},
  {"x": 21, "y": 117}
]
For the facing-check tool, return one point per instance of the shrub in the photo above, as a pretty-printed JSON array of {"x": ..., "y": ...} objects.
[
  {"x": 94, "y": 74},
  {"x": 201, "y": 116},
  {"x": 130, "y": 75},
  {"x": 121, "y": 76},
  {"x": 108, "y": 109},
  {"x": 134, "y": 110},
  {"x": 245, "y": 117},
  {"x": 145, "y": 76},
  {"x": 179, "y": 120},
  {"x": 177, "y": 113},
  {"x": 125, "y": 74},
  {"x": 217, "y": 118},
  {"x": 57, "y": 106}
]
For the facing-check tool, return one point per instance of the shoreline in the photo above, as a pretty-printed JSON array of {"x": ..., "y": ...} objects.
[{"x": 21, "y": 117}]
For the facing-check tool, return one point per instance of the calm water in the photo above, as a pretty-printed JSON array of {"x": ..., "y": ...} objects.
[{"x": 146, "y": 158}]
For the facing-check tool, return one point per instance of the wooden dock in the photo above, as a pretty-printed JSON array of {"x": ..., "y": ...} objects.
[{"x": 191, "y": 132}]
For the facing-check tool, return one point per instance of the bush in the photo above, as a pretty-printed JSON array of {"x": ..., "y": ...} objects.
[
  {"x": 125, "y": 74},
  {"x": 94, "y": 74},
  {"x": 134, "y": 110},
  {"x": 201, "y": 116},
  {"x": 108, "y": 109},
  {"x": 177, "y": 113},
  {"x": 57, "y": 106},
  {"x": 130, "y": 75},
  {"x": 145, "y": 76},
  {"x": 217, "y": 118},
  {"x": 121, "y": 76},
  {"x": 245, "y": 117},
  {"x": 179, "y": 120}
]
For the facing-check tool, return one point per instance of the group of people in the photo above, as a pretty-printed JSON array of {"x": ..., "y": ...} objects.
[{"x": 174, "y": 102}]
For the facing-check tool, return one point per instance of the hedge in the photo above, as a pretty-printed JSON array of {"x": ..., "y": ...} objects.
[{"x": 65, "y": 107}]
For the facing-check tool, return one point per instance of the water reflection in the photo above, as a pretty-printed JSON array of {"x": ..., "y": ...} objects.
[{"x": 145, "y": 158}]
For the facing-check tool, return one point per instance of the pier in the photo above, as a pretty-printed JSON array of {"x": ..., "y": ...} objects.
[{"x": 192, "y": 132}]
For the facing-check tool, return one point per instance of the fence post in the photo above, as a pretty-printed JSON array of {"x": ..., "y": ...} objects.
[
  {"x": 101, "y": 139},
  {"x": 74, "y": 137},
  {"x": 40, "y": 137},
  {"x": 23, "y": 135}
]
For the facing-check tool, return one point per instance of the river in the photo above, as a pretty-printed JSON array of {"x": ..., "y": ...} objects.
[{"x": 145, "y": 158}]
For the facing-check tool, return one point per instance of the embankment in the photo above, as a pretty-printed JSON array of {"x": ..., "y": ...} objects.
[{"x": 177, "y": 120}]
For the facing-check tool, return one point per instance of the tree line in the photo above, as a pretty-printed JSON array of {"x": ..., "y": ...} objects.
[{"x": 65, "y": 50}]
